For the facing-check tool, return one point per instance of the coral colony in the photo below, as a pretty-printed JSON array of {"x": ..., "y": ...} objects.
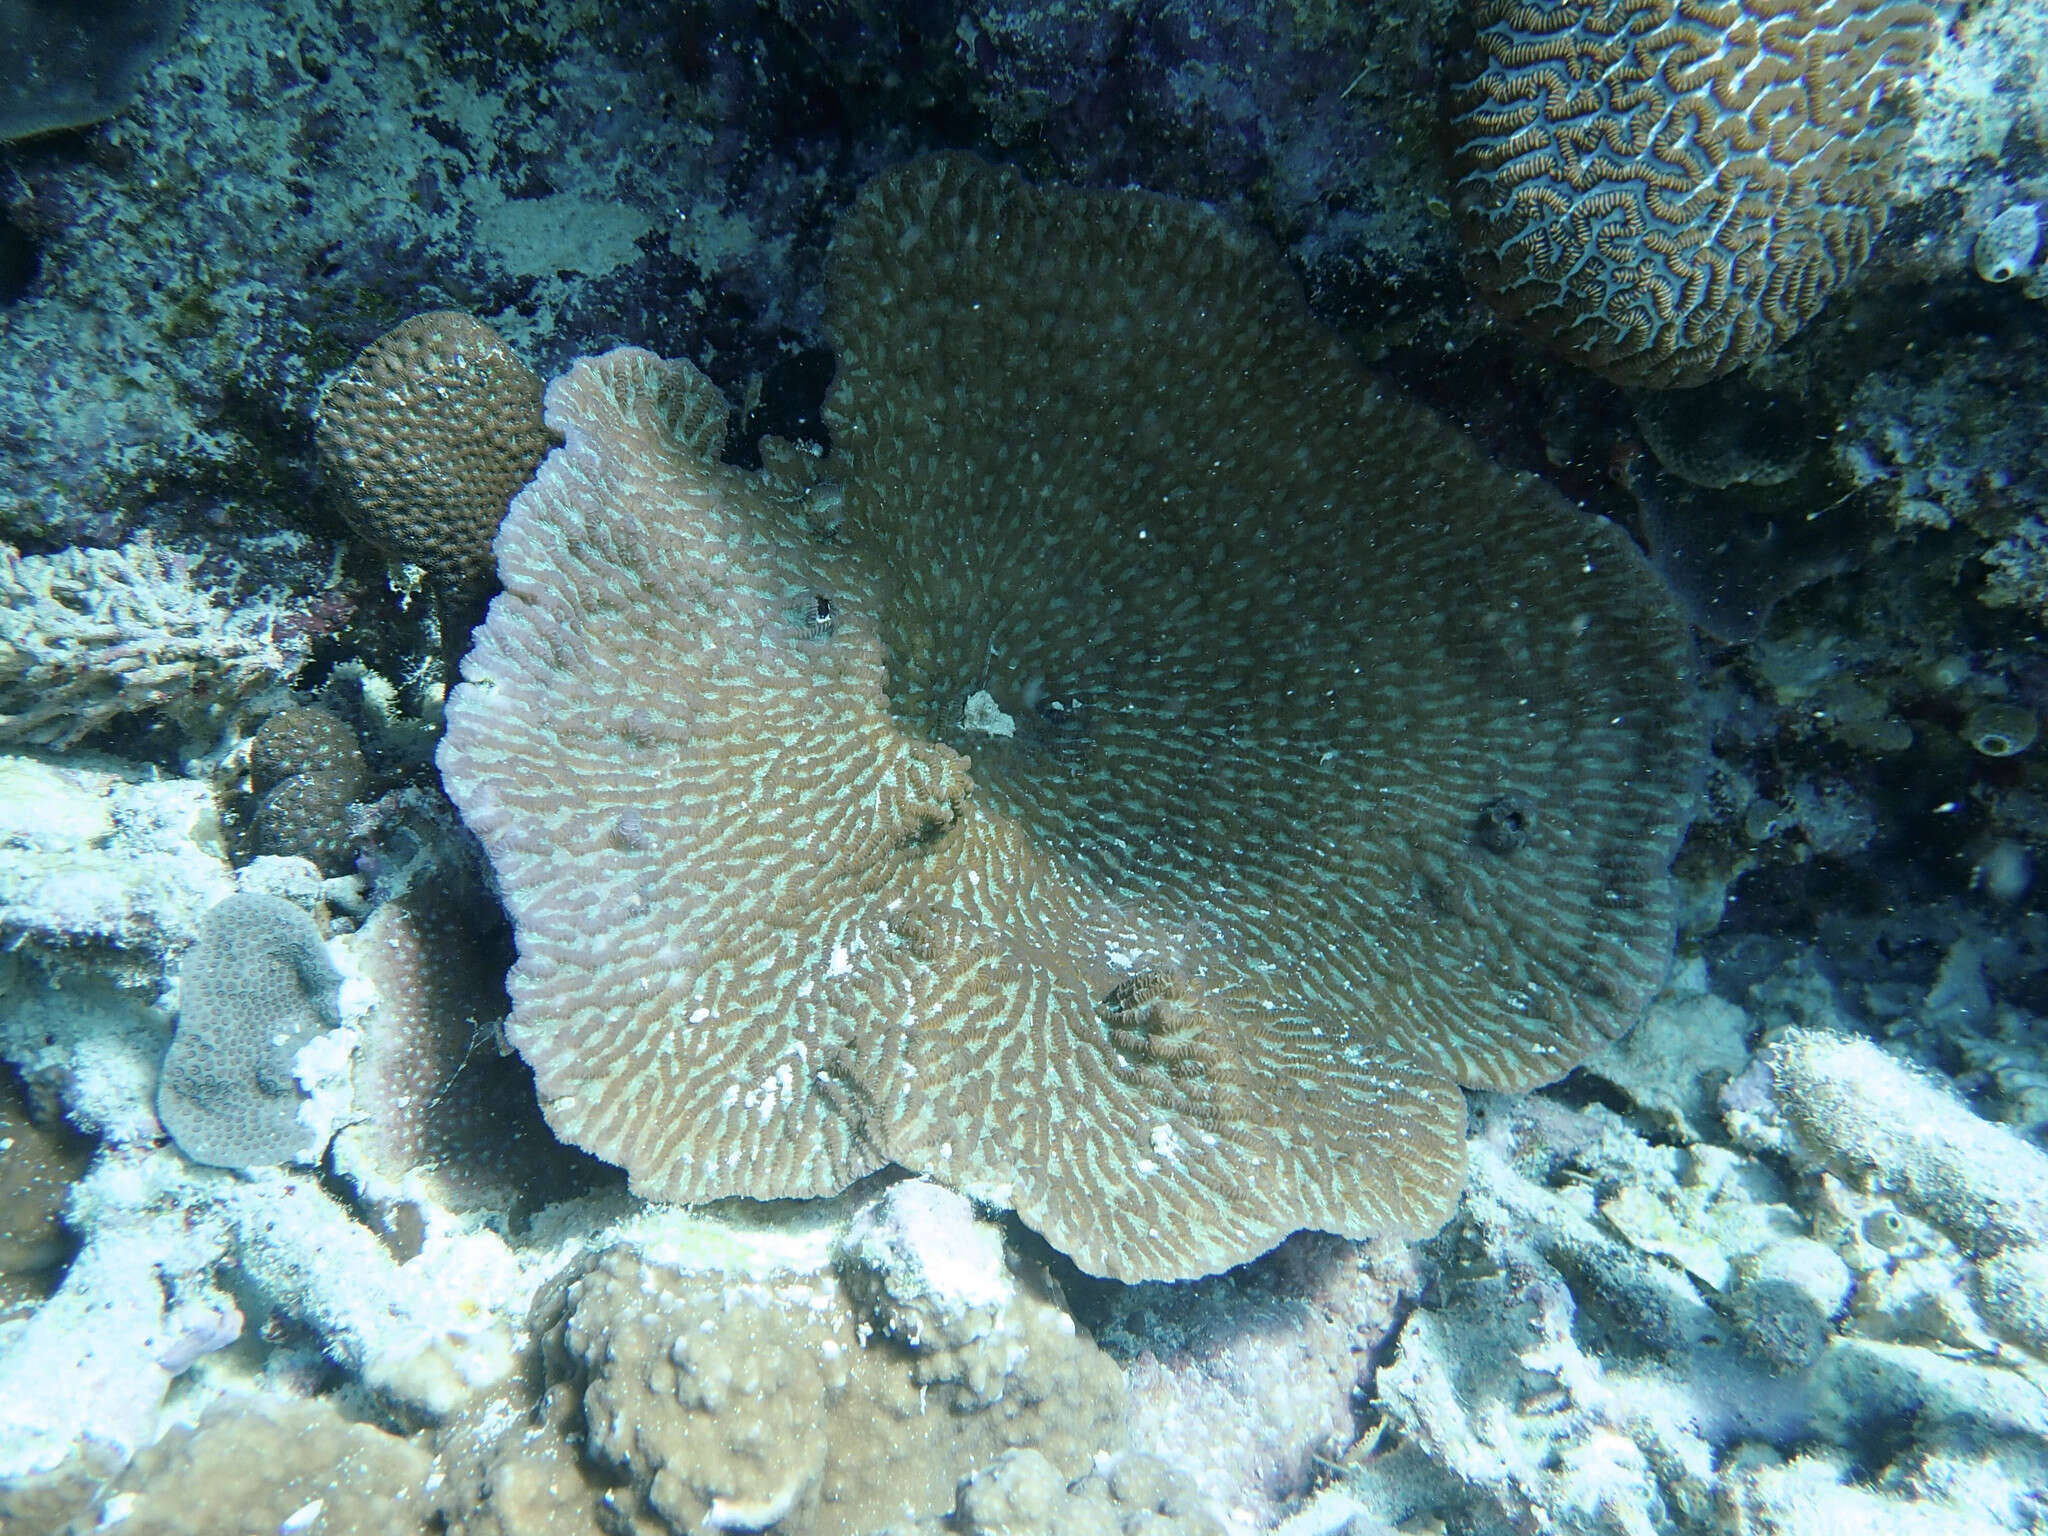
[
  {"x": 1194, "y": 952},
  {"x": 1176, "y": 769}
]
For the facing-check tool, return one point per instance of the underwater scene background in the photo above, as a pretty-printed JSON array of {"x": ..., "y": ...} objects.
[{"x": 1141, "y": 768}]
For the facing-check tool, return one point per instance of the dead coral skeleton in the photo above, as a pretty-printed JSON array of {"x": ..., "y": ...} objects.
[{"x": 88, "y": 636}]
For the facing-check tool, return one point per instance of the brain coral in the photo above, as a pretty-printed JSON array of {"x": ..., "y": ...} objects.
[
  {"x": 428, "y": 434},
  {"x": 1136, "y": 794},
  {"x": 1667, "y": 189}
]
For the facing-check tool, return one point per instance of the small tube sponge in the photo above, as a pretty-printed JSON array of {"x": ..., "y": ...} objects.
[{"x": 255, "y": 990}]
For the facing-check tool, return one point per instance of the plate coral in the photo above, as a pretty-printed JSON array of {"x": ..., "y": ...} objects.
[{"x": 1135, "y": 781}]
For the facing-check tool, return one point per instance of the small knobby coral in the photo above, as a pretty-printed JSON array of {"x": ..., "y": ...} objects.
[
  {"x": 1667, "y": 189},
  {"x": 306, "y": 766},
  {"x": 1173, "y": 766}
]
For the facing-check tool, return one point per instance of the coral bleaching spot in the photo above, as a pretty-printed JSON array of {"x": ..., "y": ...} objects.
[{"x": 1200, "y": 951}]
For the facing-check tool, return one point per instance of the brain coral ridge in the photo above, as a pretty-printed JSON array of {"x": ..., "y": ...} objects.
[
  {"x": 1667, "y": 189},
  {"x": 1134, "y": 782}
]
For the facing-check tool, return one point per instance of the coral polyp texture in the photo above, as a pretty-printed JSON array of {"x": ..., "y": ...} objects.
[
  {"x": 255, "y": 989},
  {"x": 428, "y": 434},
  {"x": 1134, "y": 783},
  {"x": 1665, "y": 190},
  {"x": 306, "y": 766}
]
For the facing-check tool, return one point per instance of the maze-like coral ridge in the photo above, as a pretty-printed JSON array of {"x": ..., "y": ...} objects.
[{"x": 1667, "y": 189}]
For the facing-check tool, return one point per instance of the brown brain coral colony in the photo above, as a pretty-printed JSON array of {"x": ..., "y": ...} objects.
[
  {"x": 428, "y": 434},
  {"x": 1176, "y": 767},
  {"x": 1664, "y": 190}
]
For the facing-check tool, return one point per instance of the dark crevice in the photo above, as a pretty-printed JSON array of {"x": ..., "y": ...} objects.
[{"x": 21, "y": 261}]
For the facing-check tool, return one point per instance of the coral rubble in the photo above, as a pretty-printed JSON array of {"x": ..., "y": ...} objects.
[
  {"x": 92, "y": 635},
  {"x": 1626, "y": 1337},
  {"x": 253, "y": 992}
]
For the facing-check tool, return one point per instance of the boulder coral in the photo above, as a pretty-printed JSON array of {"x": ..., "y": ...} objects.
[
  {"x": 306, "y": 766},
  {"x": 1665, "y": 190},
  {"x": 427, "y": 435},
  {"x": 737, "y": 1405},
  {"x": 1135, "y": 781}
]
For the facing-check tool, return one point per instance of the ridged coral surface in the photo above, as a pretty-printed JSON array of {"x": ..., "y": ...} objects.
[
  {"x": 428, "y": 434},
  {"x": 1176, "y": 765},
  {"x": 1665, "y": 190}
]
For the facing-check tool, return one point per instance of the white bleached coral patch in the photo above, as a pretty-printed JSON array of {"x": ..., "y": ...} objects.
[{"x": 91, "y": 856}]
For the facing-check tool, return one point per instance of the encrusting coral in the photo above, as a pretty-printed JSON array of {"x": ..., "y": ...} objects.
[
  {"x": 256, "y": 988},
  {"x": 792, "y": 1371},
  {"x": 263, "y": 1464},
  {"x": 764, "y": 1405},
  {"x": 440, "y": 1108},
  {"x": 1317, "y": 765},
  {"x": 1665, "y": 190}
]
